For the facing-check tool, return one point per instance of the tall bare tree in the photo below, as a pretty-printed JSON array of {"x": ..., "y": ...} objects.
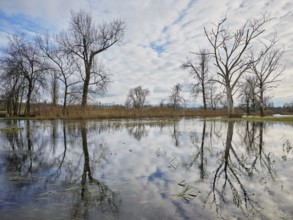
[
  {"x": 136, "y": 97},
  {"x": 230, "y": 50},
  {"x": 267, "y": 70},
  {"x": 199, "y": 71},
  {"x": 176, "y": 99},
  {"x": 85, "y": 40}
]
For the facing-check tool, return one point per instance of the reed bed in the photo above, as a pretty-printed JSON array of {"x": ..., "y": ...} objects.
[{"x": 94, "y": 112}]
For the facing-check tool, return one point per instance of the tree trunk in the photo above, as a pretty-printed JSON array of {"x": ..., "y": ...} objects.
[
  {"x": 247, "y": 107},
  {"x": 253, "y": 103},
  {"x": 204, "y": 97},
  {"x": 230, "y": 102},
  {"x": 85, "y": 86},
  {"x": 261, "y": 110},
  {"x": 28, "y": 101},
  {"x": 65, "y": 100},
  {"x": 15, "y": 104},
  {"x": 54, "y": 90},
  {"x": 20, "y": 102}
]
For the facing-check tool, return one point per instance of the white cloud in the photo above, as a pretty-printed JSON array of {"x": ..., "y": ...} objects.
[{"x": 159, "y": 35}]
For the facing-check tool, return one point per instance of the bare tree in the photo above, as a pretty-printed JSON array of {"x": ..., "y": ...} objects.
[
  {"x": 64, "y": 67},
  {"x": 176, "y": 99},
  {"x": 230, "y": 50},
  {"x": 11, "y": 87},
  {"x": 199, "y": 71},
  {"x": 267, "y": 70},
  {"x": 288, "y": 106},
  {"x": 85, "y": 40},
  {"x": 247, "y": 93},
  {"x": 25, "y": 56},
  {"x": 136, "y": 97},
  {"x": 214, "y": 94},
  {"x": 162, "y": 103}
]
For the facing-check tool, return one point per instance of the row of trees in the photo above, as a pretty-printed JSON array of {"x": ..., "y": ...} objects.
[
  {"x": 136, "y": 97},
  {"x": 244, "y": 62},
  {"x": 70, "y": 58}
]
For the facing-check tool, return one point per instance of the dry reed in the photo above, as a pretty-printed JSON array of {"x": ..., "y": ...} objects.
[{"x": 98, "y": 112}]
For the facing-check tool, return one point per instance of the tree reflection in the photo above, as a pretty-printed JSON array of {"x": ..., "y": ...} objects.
[
  {"x": 229, "y": 181},
  {"x": 199, "y": 157},
  {"x": 93, "y": 193},
  {"x": 137, "y": 131},
  {"x": 227, "y": 178},
  {"x": 48, "y": 167},
  {"x": 58, "y": 160},
  {"x": 263, "y": 162},
  {"x": 225, "y": 169},
  {"x": 250, "y": 136},
  {"x": 54, "y": 135},
  {"x": 21, "y": 156},
  {"x": 14, "y": 159},
  {"x": 202, "y": 161},
  {"x": 175, "y": 134}
]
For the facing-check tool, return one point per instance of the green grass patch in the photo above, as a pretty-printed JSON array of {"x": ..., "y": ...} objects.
[{"x": 287, "y": 119}]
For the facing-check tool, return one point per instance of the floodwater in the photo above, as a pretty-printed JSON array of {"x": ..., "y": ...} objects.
[{"x": 145, "y": 169}]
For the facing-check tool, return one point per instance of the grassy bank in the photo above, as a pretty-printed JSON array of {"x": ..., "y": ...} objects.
[
  {"x": 99, "y": 112},
  {"x": 288, "y": 119}
]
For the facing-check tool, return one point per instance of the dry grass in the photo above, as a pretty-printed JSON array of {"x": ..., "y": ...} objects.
[
  {"x": 77, "y": 112},
  {"x": 3, "y": 114}
]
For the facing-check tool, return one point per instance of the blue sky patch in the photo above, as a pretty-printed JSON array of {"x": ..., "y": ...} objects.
[
  {"x": 18, "y": 23},
  {"x": 159, "y": 47}
]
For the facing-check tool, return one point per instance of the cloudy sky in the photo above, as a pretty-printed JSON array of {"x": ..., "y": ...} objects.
[{"x": 159, "y": 37}]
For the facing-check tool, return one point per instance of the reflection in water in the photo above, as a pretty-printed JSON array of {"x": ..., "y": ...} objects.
[
  {"x": 59, "y": 160},
  {"x": 137, "y": 131},
  {"x": 131, "y": 170},
  {"x": 93, "y": 193},
  {"x": 250, "y": 136},
  {"x": 175, "y": 135},
  {"x": 235, "y": 168},
  {"x": 230, "y": 180},
  {"x": 202, "y": 161},
  {"x": 228, "y": 176},
  {"x": 25, "y": 165},
  {"x": 29, "y": 145},
  {"x": 199, "y": 157}
]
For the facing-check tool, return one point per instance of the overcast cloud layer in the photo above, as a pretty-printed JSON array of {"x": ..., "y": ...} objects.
[{"x": 159, "y": 37}]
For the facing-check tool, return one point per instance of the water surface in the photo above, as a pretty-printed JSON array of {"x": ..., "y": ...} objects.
[{"x": 145, "y": 169}]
